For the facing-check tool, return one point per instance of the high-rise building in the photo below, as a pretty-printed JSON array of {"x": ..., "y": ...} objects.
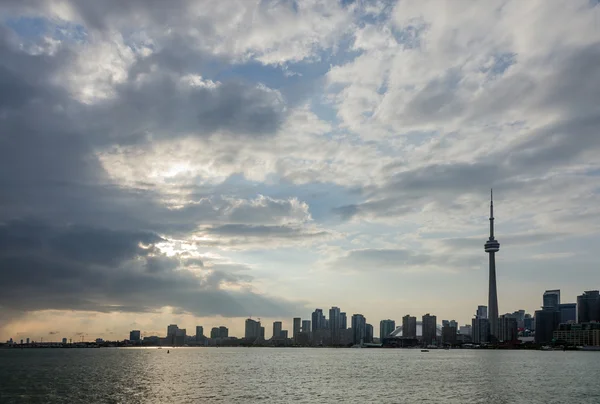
[
  {"x": 318, "y": 320},
  {"x": 481, "y": 330},
  {"x": 276, "y": 329},
  {"x": 507, "y": 328},
  {"x": 359, "y": 327},
  {"x": 409, "y": 327},
  {"x": 492, "y": 246},
  {"x": 568, "y": 312},
  {"x": 482, "y": 312},
  {"x": 252, "y": 330},
  {"x": 429, "y": 324},
  {"x": 343, "y": 321},
  {"x": 283, "y": 334},
  {"x": 296, "y": 327},
  {"x": 306, "y": 326},
  {"x": 199, "y": 333},
  {"x": 335, "y": 324},
  {"x": 180, "y": 336},
  {"x": 262, "y": 332},
  {"x": 466, "y": 329},
  {"x": 134, "y": 335},
  {"x": 223, "y": 332},
  {"x": 449, "y": 332},
  {"x": 528, "y": 322},
  {"x": 172, "y": 329},
  {"x": 588, "y": 306},
  {"x": 547, "y": 321},
  {"x": 551, "y": 299},
  {"x": 368, "y": 334},
  {"x": 386, "y": 327},
  {"x": 214, "y": 332}
]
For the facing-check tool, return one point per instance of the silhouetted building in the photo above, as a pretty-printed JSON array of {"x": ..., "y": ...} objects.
[
  {"x": 449, "y": 332},
  {"x": 347, "y": 337},
  {"x": 481, "y": 330},
  {"x": 262, "y": 332},
  {"x": 343, "y": 321},
  {"x": 429, "y": 324},
  {"x": 409, "y": 327},
  {"x": 306, "y": 326},
  {"x": 252, "y": 330},
  {"x": 583, "y": 334},
  {"x": 180, "y": 336},
  {"x": 529, "y": 322},
  {"x": 296, "y": 328},
  {"x": 214, "y": 332},
  {"x": 466, "y": 330},
  {"x": 386, "y": 327},
  {"x": 492, "y": 246},
  {"x": 568, "y": 312},
  {"x": 335, "y": 324},
  {"x": 546, "y": 322},
  {"x": 276, "y": 329},
  {"x": 368, "y": 334},
  {"x": 199, "y": 333},
  {"x": 359, "y": 327},
  {"x": 223, "y": 332},
  {"x": 507, "y": 328},
  {"x": 318, "y": 320},
  {"x": 482, "y": 312},
  {"x": 134, "y": 335},
  {"x": 588, "y": 306},
  {"x": 283, "y": 334},
  {"x": 551, "y": 299}
]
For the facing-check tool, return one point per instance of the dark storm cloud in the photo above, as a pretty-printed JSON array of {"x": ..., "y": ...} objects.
[{"x": 111, "y": 271}]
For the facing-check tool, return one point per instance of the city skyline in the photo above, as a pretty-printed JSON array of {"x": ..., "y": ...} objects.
[{"x": 199, "y": 165}]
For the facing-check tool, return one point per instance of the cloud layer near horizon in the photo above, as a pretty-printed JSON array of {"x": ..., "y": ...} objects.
[{"x": 236, "y": 158}]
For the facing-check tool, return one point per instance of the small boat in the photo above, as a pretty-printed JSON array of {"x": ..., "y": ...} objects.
[
  {"x": 424, "y": 350},
  {"x": 167, "y": 351}
]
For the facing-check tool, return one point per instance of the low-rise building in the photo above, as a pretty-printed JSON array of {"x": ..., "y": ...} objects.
[{"x": 585, "y": 334}]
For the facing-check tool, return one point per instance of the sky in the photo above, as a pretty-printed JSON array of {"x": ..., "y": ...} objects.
[{"x": 202, "y": 162}]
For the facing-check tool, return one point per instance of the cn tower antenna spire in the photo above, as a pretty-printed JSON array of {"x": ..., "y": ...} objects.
[{"x": 492, "y": 246}]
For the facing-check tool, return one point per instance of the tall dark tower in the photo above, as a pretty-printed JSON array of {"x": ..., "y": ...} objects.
[{"x": 492, "y": 246}]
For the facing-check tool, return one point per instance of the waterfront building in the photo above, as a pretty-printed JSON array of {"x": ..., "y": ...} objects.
[
  {"x": 318, "y": 320},
  {"x": 482, "y": 312},
  {"x": 466, "y": 330},
  {"x": 343, "y": 320},
  {"x": 583, "y": 334},
  {"x": 429, "y": 329},
  {"x": 262, "y": 332},
  {"x": 481, "y": 330},
  {"x": 551, "y": 299},
  {"x": 449, "y": 332},
  {"x": 359, "y": 326},
  {"x": 347, "y": 337},
  {"x": 568, "y": 312},
  {"x": 386, "y": 327},
  {"x": 588, "y": 306},
  {"x": 172, "y": 329},
  {"x": 491, "y": 247},
  {"x": 409, "y": 327},
  {"x": 64, "y": 341},
  {"x": 223, "y": 332},
  {"x": 529, "y": 322},
  {"x": 283, "y": 334},
  {"x": 199, "y": 333},
  {"x": 546, "y": 322},
  {"x": 335, "y": 324},
  {"x": 306, "y": 326},
  {"x": 252, "y": 330},
  {"x": 507, "y": 328},
  {"x": 134, "y": 335},
  {"x": 214, "y": 332},
  {"x": 297, "y": 322},
  {"x": 276, "y": 329},
  {"x": 368, "y": 334}
]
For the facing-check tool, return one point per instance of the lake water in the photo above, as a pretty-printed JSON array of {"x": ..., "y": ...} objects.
[{"x": 245, "y": 375}]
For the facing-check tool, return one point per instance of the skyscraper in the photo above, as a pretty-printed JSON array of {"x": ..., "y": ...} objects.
[
  {"x": 568, "y": 312},
  {"x": 296, "y": 329},
  {"x": 334, "y": 324},
  {"x": 481, "y": 312},
  {"x": 386, "y": 327},
  {"x": 359, "y": 328},
  {"x": 481, "y": 330},
  {"x": 223, "y": 332},
  {"x": 588, "y": 306},
  {"x": 343, "y": 321},
  {"x": 134, "y": 335},
  {"x": 199, "y": 332},
  {"x": 547, "y": 321},
  {"x": 276, "y": 329},
  {"x": 429, "y": 324},
  {"x": 409, "y": 327},
  {"x": 551, "y": 298},
  {"x": 507, "y": 328},
  {"x": 368, "y": 334},
  {"x": 306, "y": 326},
  {"x": 252, "y": 330},
  {"x": 318, "y": 320},
  {"x": 492, "y": 246}
]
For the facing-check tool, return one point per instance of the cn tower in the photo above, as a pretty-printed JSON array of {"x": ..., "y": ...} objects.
[{"x": 492, "y": 246}]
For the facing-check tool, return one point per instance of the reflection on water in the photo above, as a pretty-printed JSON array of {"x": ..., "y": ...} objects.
[{"x": 192, "y": 375}]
